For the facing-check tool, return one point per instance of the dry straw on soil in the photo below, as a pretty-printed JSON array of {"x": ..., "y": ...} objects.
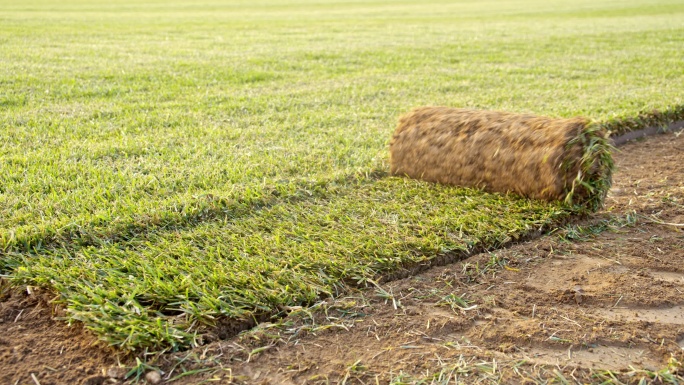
[{"x": 537, "y": 157}]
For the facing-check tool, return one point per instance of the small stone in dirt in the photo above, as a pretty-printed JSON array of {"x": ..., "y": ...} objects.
[
  {"x": 578, "y": 294},
  {"x": 411, "y": 312},
  {"x": 115, "y": 372},
  {"x": 153, "y": 377}
]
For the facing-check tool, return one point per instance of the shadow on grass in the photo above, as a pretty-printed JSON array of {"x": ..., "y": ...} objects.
[{"x": 185, "y": 215}]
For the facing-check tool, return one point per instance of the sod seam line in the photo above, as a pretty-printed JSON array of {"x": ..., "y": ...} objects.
[{"x": 623, "y": 139}]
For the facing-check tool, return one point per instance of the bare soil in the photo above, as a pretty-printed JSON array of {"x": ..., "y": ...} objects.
[
  {"x": 599, "y": 300},
  {"x": 35, "y": 343}
]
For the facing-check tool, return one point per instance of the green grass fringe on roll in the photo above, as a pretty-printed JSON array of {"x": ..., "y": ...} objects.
[
  {"x": 593, "y": 169},
  {"x": 533, "y": 156}
]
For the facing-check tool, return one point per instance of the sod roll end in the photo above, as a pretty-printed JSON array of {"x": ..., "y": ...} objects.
[{"x": 533, "y": 156}]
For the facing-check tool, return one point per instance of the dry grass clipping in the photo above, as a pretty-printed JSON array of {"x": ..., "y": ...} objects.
[{"x": 536, "y": 157}]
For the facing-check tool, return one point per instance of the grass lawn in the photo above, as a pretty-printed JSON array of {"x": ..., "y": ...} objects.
[{"x": 166, "y": 164}]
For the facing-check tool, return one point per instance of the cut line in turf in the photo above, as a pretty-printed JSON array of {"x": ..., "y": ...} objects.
[{"x": 645, "y": 132}]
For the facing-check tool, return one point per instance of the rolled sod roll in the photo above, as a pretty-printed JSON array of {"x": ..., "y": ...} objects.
[{"x": 533, "y": 156}]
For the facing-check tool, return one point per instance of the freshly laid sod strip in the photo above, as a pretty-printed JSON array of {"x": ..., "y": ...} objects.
[
  {"x": 163, "y": 163},
  {"x": 156, "y": 291}
]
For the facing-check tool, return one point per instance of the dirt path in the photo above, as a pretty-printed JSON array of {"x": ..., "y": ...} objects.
[{"x": 589, "y": 298}]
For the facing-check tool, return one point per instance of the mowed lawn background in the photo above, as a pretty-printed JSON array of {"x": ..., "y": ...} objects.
[{"x": 165, "y": 165}]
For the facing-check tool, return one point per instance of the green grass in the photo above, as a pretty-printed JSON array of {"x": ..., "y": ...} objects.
[{"x": 166, "y": 164}]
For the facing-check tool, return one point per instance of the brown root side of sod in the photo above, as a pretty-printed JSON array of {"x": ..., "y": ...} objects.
[
  {"x": 534, "y": 156},
  {"x": 570, "y": 304}
]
